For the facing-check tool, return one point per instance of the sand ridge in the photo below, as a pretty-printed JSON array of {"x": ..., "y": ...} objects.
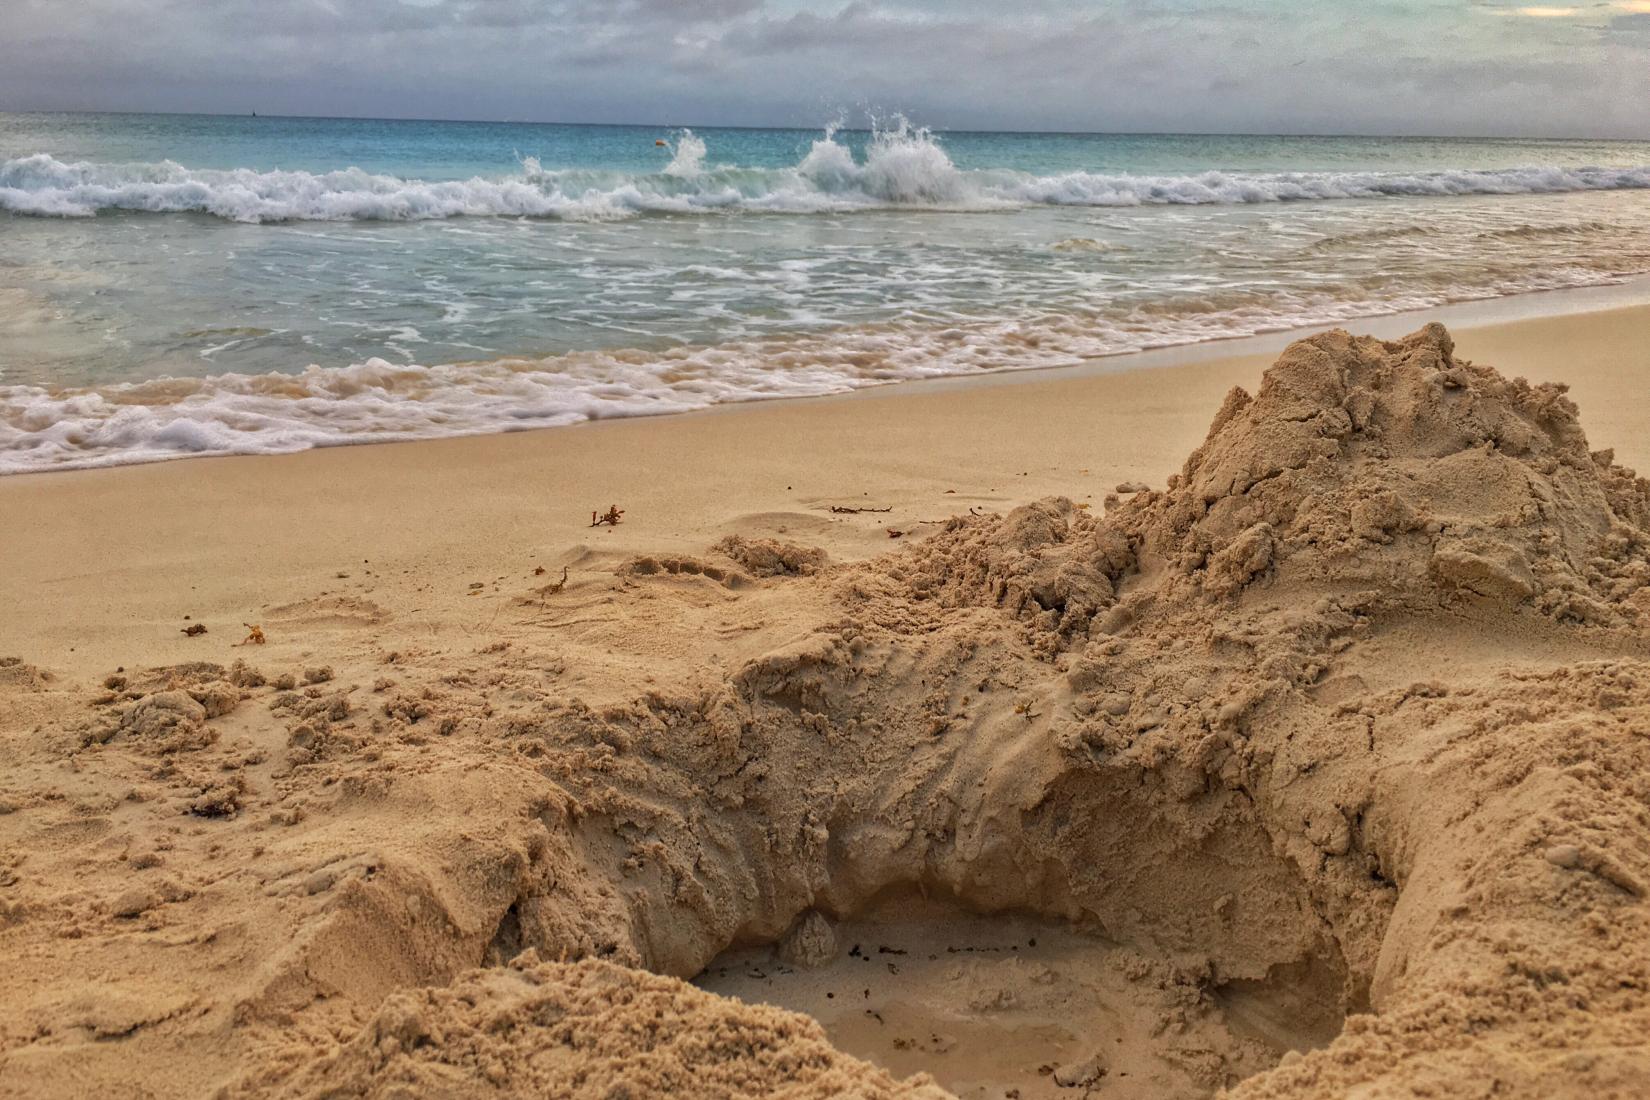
[{"x": 1246, "y": 726}]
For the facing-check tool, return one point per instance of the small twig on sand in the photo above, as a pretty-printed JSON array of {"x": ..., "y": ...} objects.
[
  {"x": 609, "y": 517},
  {"x": 551, "y": 589},
  {"x": 570, "y": 622},
  {"x": 844, "y": 510}
]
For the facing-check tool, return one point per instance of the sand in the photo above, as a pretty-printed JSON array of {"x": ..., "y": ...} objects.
[{"x": 1313, "y": 764}]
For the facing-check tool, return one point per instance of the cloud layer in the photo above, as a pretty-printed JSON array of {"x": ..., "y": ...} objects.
[{"x": 1302, "y": 66}]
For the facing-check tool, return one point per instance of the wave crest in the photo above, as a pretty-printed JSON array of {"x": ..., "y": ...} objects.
[{"x": 904, "y": 167}]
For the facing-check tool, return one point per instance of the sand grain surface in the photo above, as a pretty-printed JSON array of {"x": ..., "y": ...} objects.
[{"x": 1336, "y": 748}]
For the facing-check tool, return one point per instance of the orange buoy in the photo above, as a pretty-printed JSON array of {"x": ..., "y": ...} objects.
[{"x": 662, "y": 142}]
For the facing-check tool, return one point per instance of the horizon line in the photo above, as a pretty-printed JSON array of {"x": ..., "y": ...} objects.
[{"x": 843, "y": 127}]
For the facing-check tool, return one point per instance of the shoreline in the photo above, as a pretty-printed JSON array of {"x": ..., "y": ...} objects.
[
  {"x": 107, "y": 561},
  {"x": 1629, "y": 292},
  {"x": 1465, "y": 316}
]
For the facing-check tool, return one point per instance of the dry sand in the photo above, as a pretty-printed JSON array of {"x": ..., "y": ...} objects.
[{"x": 1320, "y": 767}]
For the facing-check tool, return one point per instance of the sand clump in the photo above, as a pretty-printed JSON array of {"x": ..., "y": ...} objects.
[
  {"x": 772, "y": 557},
  {"x": 591, "y": 1031},
  {"x": 1339, "y": 737}
]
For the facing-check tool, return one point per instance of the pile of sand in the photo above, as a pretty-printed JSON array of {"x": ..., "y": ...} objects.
[
  {"x": 591, "y": 1031},
  {"x": 1352, "y": 720}
]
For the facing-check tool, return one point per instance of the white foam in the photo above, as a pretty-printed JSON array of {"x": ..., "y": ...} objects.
[
  {"x": 689, "y": 156},
  {"x": 66, "y": 428},
  {"x": 903, "y": 167}
]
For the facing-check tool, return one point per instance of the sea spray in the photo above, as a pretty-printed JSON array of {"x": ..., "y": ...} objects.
[{"x": 688, "y": 159}]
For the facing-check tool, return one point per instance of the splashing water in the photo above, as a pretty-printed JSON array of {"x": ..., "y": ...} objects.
[{"x": 689, "y": 158}]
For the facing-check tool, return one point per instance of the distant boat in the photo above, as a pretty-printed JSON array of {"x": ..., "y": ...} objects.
[{"x": 661, "y": 141}]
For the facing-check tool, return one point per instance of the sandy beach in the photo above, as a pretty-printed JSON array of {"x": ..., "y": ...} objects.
[
  {"x": 974, "y": 721},
  {"x": 118, "y": 556}
]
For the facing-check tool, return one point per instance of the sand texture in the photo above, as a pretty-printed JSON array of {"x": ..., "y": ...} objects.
[{"x": 1321, "y": 770}]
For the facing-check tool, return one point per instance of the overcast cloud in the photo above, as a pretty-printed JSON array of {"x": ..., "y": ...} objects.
[{"x": 1293, "y": 66}]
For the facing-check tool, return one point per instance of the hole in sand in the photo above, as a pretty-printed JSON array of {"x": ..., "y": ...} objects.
[{"x": 1017, "y": 1004}]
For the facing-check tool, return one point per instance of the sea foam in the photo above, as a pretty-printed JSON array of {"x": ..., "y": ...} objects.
[
  {"x": 58, "y": 428},
  {"x": 903, "y": 167}
]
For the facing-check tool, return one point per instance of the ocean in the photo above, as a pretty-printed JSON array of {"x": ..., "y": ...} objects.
[{"x": 192, "y": 285}]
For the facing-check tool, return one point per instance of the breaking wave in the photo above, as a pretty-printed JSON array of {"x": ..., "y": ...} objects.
[{"x": 903, "y": 167}]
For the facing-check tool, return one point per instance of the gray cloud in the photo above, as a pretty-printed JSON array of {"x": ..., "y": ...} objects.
[{"x": 1436, "y": 66}]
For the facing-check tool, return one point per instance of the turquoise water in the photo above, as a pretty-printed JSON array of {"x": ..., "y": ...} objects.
[
  {"x": 175, "y": 285},
  {"x": 458, "y": 150}
]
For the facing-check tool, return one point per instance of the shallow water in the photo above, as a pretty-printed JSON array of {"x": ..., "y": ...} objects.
[{"x": 177, "y": 285}]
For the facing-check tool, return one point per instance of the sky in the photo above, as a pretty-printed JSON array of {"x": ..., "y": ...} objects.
[{"x": 1447, "y": 67}]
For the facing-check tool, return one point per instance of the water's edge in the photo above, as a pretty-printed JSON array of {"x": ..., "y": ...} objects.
[{"x": 1464, "y": 316}]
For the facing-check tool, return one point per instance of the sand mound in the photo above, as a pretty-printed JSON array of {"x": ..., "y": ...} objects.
[
  {"x": 589, "y": 1031},
  {"x": 1344, "y": 725},
  {"x": 1393, "y": 465},
  {"x": 1360, "y": 464}
]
